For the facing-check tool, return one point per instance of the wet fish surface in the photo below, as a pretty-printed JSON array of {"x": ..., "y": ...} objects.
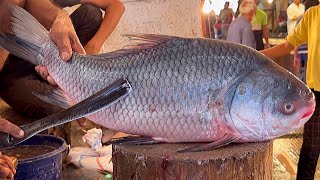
[{"x": 183, "y": 89}]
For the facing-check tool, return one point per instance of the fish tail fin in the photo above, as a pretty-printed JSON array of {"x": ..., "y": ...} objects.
[{"x": 27, "y": 37}]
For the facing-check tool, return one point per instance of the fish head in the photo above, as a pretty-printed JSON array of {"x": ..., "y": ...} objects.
[{"x": 269, "y": 103}]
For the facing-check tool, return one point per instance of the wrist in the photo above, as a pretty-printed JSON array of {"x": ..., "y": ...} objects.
[
  {"x": 97, "y": 44},
  {"x": 61, "y": 15},
  {"x": 61, "y": 19}
]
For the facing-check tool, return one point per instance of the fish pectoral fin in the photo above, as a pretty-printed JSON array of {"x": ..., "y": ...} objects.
[
  {"x": 96, "y": 102},
  {"x": 133, "y": 140},
  {"x": 56, "y": 97},
  {"x": 227, "y": 139}
]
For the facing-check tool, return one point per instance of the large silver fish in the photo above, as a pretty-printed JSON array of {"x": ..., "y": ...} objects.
[{"x": 183, "y": 90}]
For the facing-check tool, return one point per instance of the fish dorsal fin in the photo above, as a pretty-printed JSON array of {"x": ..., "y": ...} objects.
[{"x": 139, "y": 43}]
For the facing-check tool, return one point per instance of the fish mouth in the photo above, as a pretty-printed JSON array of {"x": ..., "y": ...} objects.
[{"x": 307, "y": 115}]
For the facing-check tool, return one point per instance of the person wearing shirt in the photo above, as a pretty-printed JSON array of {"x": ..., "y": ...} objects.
[
  {"x": 307, "y": 31},
  {"x": 294, "y": 12},
  {"x": 259, "y": 27},
  {"x": 240, "y": 30},
  {"x": 225, "y": 13},
  {"x": 225, "y": 18}
]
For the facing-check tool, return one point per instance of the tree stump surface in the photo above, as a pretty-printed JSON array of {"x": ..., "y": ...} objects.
[{"x": 161, "y": 161}]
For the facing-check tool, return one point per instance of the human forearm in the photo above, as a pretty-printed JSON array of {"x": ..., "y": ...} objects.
[
  {"x": 265, "y": 34},
  {"x": 296, "y": 59},
  {"x": 5, "y": 13},
  {"x": 44, "y": 11},
  {"x": 60, "y": 25},
  {"x": 110, "y": 21},
  {"x": 113, "y": 12},
  {"x": 278, "y": 50}
]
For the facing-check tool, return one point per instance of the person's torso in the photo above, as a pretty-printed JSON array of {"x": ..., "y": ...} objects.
[
  {"x": 295, "y": 10},
  {"x": 313, "y": 40},
  {"x": 225, "y": 13},
  {"x": 260, "y": 20},
  {"x": 236, "y": 29}
]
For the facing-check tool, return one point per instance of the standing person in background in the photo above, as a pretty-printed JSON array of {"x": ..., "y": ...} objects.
[
  {"x": 300, "y": 53},
  {"x": 307, "y": 31},
  {"x": 259, "y": 27},
  {"x": 225, "y": 13},
  {"x": 240, "y": 30},
  {"x": 224, "y": 20},
  {"x": 294, "y": 11}
]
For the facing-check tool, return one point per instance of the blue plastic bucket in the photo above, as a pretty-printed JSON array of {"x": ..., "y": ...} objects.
[{"x": 46, "y": 166}]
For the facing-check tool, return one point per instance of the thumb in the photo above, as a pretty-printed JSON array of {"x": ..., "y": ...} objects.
[
  {"x": 64, "y": 45},
  {"x": 76, "y": 45}
]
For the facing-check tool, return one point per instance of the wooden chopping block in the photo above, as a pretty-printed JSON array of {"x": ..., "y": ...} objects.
[{"x": 161, "y": 161}]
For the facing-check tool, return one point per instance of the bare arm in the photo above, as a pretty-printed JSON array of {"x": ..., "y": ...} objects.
[
  {"x": 113, "y": 12},
  {"x": 278, "y": 50},
  {"x": 62, "y": 31},
  {"x": 265, "y": 35},
  {"x": 44, "y": 11}
]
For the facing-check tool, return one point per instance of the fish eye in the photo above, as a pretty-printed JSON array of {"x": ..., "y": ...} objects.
[{"x": 288, "y": 108}]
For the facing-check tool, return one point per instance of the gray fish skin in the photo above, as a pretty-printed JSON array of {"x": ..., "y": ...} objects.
[{"x": 184, "y": 90}]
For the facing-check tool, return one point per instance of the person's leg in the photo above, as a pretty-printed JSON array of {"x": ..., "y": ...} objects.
[
  {"x": 18, "y": 81},
  {"x": 19, "y": 78},
  {"x": 258, "y": 38},
  {"x": 86, "y": 21},
  {"x": 310, "y": 150}
]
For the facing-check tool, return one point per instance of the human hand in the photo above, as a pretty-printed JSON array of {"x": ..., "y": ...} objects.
[
  {"x": 296, "y": 62},
  {"x": 7, "y": 169},
  {"x": 8, "y": 127},
  {"x": 43, "y": 72},
  {"x": 267, "y": 46},
  {"x": 63, "y": 34}
]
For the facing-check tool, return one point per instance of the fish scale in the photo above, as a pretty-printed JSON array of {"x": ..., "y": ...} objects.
[{"x": 183, "y": 89}]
